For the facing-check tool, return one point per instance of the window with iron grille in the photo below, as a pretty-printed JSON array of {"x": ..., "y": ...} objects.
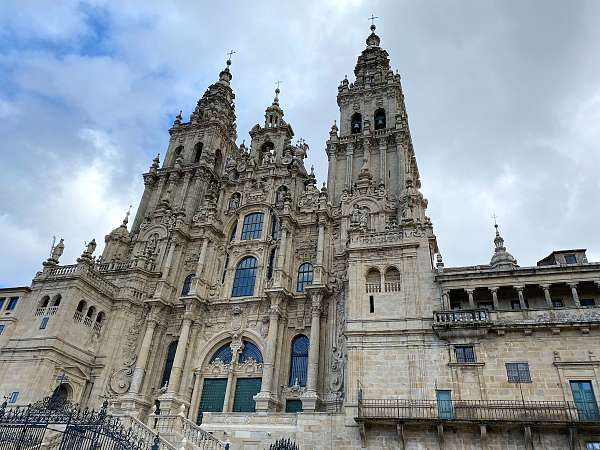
[
  {"x": 518, "y": 372},
  {"x": 12, "y": 398},
  {"x": 224, "y": 354},
  {"x": 250, "y": 351},
  {"x": 44, "y": 323},
  {"x": 252, "y": 227},
  {"x": 299, "y": 361},
  {"x": 245, "y": 277},
  {"x": 305, "y": 276},
  {"x": 464, "y": 354}
]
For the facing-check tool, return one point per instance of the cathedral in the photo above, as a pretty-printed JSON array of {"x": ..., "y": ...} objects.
[{"x": 244, "y": 303}]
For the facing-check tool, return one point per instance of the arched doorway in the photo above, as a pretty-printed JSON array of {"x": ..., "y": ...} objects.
[
  {"x": 231, "y": 378},
  {"x": 59, "y": 397}
]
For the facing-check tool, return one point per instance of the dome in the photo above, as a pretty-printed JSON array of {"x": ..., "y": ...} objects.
[{"x": 502, "y": 259}]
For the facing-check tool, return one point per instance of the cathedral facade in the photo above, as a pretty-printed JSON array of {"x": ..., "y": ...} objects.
[{"x": 259, "y": 305}]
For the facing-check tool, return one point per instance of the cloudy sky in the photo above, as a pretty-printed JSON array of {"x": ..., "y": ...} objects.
[{"x": 503, "y": 99}]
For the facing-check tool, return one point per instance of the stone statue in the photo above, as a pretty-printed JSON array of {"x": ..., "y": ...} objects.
[
  {"x": 356, "y": 215},
  {"x": 91, "y": 247},
  {"x": 234, "y": 203},
  {"x": 58, "y": 250}
]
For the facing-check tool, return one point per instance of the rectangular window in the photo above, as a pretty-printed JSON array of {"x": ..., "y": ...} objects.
[
  {"x": 252, "y": 227},
  {"x": 518, "y": 372},
  {"x": 570, "y": 259},
  {"x": 371, "y": 304},
  {"x": 585, "y": 400},
  {"x": 2, "y": 300},
  {"x": 595, "y": 445},
  {"x": 464, "y": 354},
  {"x": 444, "y": 403},
  {"x": 294, "y": 406},
  {"x": 557, "y": 303},
  {"x": 587, "y": 302},
  {"x": 1, "y": 329},
  {"x": 12, "y": 398},
  {"x": 44, "y": 323},
  {"x": 12, "y": 304}
]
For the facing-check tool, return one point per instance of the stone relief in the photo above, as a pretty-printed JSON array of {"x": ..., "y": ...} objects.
[{"x": 338, "y": 351}]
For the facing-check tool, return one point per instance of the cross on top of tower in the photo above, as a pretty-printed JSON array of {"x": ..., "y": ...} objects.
[
  {"x": 231, "y": 52},
  {"x": 372, "y": 19}
]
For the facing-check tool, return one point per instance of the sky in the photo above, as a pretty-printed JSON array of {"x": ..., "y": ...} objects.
[{"x": 503, "y": 101}]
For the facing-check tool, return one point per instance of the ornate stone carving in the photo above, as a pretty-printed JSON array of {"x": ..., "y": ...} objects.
[{"x": 338, "y": 351}]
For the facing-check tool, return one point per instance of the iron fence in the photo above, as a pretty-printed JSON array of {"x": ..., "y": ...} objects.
[{"x": 479, "y": 410}]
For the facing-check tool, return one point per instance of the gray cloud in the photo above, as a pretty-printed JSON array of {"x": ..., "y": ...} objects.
[{"x": 503, "y": 100}]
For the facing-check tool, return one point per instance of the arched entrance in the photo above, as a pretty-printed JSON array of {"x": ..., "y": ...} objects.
[
  {"x": 231, "y": 378},
  {"x": 59, "y": 397}
]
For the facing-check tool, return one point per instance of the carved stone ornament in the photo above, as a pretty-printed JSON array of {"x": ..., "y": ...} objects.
[
  {"x": 218, "y": 367},
  {"x": 250, "y": 367}
]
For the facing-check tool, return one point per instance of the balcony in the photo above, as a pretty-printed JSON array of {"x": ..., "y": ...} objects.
[
  {"x": 477, "y": 411},
  {"x": 461, "y": 317}
]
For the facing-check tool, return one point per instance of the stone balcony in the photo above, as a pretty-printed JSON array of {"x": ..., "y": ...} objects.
[{"x": 481, "y": 321}]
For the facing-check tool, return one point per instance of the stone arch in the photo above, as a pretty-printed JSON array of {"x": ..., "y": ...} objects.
[
  {"x": 198, "y": 151},
  {"x": 379, "y": 120},
  {"x": 373, "y": 280},
  {"x": 213, "y": 344},
  {"x": 356, "y": 123},
  {"x": 44, "y": 301},
  {"x": 392, "y": 279},
  {"x": 56, "y": 300},
  {"x": 81, "y": 306}
]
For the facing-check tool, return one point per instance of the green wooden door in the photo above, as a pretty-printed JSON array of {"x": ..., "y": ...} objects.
[
  {"x": 213, "y": 396},
  {"x": 245, "y": 390},
  {"x": 585, "y": 400}
]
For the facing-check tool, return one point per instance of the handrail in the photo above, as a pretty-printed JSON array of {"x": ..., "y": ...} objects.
[
  {"x": 180, "y": 427},
  {"x": 477, "y": 410},
  {"x": 145, "y": 432}
]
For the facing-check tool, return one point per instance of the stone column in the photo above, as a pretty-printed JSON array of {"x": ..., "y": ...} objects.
[
  {"x": 494, "y": 291},
  {"x": 280, "y": 264},
  {"x": 142, "y": 360},
  {"x": 519, "y": 290},
  {"x": 179, "y": 359},
  {"x": 320, "y": 252},
  {"x": 264, "y": 399},
  {"x": 227, "y": 401},
  {"x": 382, "y": 163},
  {"x": 197, "y": 391},
  {"x": 349, "y": 156},
  {"x": 546, "y": 288},
  {"x": 310, "y": 398},
  {"x": 471, "y": 299},
  {"x": 200, "y": 266},
  {"x": 573, "y": 287}
]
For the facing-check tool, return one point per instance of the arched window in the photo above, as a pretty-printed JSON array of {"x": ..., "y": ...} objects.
[
  {"x": 373, "y": 281},
  {"x": 270, "y": 265},
  {"x": 91, "y": 312},
  {"x": 267, "y": 147},
  {"x": 252, "y": 227},
  {"x": 379, "y": 119},
  {"x": 224, "y": 354},
  {"x": 81, "y": 306},
  {"x": 198, "y": 151},
  {"x": 250, "y": 351},
  {"x": 187, "y": 284},
  {"x": 100, "y": 317},
  {"x": 305, "y": 276},
  {"x": 178, "y": 152},
  {"x": 392, "y": 280},
  {"x": 356, "y": 123},
  {"x": 59, "y": 396},
  {"x": 44, "y": 301},
  {"x": 299, "y": 361},
  {"x": 245, "y": 277},
  {"x": 171, "y": 350},
  {"x": 56, "y": 300},
  {"x": 274, "y": 228}
]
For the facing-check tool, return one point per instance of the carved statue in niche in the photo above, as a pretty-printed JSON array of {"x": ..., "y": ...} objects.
[
  {"x": 359, "y": 217},
  {"x": 234, "y": 202},
  {"x": 151, "y": 244}
]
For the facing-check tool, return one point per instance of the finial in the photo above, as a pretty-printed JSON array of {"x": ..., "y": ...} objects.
[
  {"x": 372, "y": 19},
  {"x": 312, "y": 170},
  {"x": 228, "y": 62},
  {"x": 126, "y": 219}
]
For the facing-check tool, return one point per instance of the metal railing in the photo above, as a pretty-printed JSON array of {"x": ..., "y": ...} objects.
[
  {"x": 479, "y": 410},
  {"x": 178, "y": 427},
  {"x": 461, "y": 316}
]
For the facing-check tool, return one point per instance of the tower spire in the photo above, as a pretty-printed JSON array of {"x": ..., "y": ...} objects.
[{"x": 501, "y": 259}]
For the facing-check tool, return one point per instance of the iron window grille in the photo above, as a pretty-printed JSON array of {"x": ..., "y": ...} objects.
[
  {"x": 44, "y": 323},
  {"x": 12, "y": 398},
  {"x": 224, "y": 354},
  {"x": 245, "y": 277},
  {"x": 299, "y": 361},
  {"x": 305, "y": 276},
  {"x": 252, "y": 227},
  {"x": 464, "y": 354},
  {"x": 250, "y": 351},
  {"x": 518, "y": 372}
]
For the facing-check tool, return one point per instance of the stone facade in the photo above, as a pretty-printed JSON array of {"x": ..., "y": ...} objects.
[{"x": 243, "y": 286}]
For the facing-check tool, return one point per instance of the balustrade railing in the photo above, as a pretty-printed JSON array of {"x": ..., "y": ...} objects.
[
  {"x": 40, "y": 311},
  {"x": 78, "y": 317},
  {"x": 145, "y": 433},
  {"x": 97, "y": 327},
  {"x": 51, "y": 310},
  {"x": 87, "y": 321},
  {"x": 177, "y": 427},
  {"x": 461, "y": 316},
  {"x": 392, "y": 286},
  {"x": 479, "y": 410},
  {"x": 373, "y": 287}
]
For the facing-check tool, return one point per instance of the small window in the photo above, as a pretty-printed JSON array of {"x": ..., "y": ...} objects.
[
  {"x": 295, "y": 406},
  {"x": 592, "y": 445},
  {"x": 233, "y": 231},
  {"x": 371, "y": 304},
  {"x": 305, "y": 276},
  {"x": 587, "y": 302},
  {"x": 187, "y": 284},
  {"x": 356, "y": 123},
  {"x": 274, "y": 228},
  {"x": 81, "y": 306},
  {"x": 515, "y": 304},
  {"x": 100, "y": 317},
  {"x": 56, "y": 300},
  {"x": 171, "y": 350},
  {"x": 271, "y": 264},
  {"x": 518, "y": 372},
  {"x": 2, "y": 329},
  {"x": 2, "y": 300},
  {"x": 557, "y": 303},
  {"x": 464, "y": 354},
  {"x": 198, "y": 151},
  {"x": 12, "y": 398},
  {"x": 570, "y": 259},
  {"x": 12, "y": 304},
  {"x": 245, "y": 277},
  {"x": 299, "y": 361},
  {"x": 91, "y": 312},
  {"x": 45, "y": 301},
  {"x": 44, "y": 323},
  {"x": 252, "y": 227}
]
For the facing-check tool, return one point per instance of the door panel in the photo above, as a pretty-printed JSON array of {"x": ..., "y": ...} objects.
[
  {"x": 245, "y": 390},
  {"x": 444, "y": 402},
  {"x": 213, "y": 396},
  {"x": 585, "y": 400}
]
